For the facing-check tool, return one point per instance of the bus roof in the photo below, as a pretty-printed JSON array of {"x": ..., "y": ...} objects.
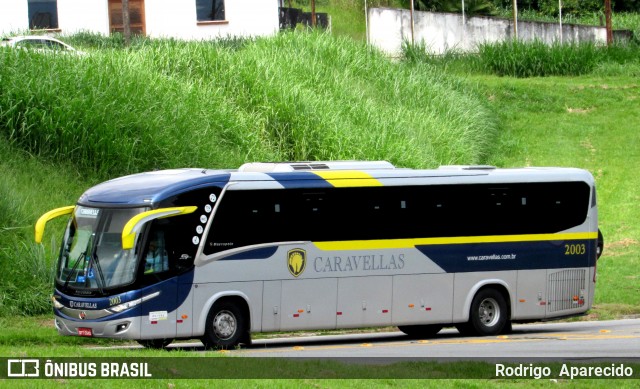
[{"x": 151, "y": 187}]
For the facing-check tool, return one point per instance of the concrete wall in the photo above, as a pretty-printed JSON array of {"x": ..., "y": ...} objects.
[
  {"x": 163, "y": 18},
  {"x": 440, "y": 32}
]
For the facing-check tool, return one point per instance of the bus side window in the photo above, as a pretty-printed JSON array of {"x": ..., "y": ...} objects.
[
  {"x": 157, "y": 259},
  {"x": 385, "y": 213},
  {"x": 249, "y": 217}
]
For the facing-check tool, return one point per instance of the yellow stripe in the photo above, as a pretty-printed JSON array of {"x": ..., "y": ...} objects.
[
  {"x": 348, "y": 178},
  {"x": 411, "y": 243}
]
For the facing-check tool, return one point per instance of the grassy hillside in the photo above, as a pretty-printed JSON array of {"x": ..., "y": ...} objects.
[{"x": 291, "y": 97}]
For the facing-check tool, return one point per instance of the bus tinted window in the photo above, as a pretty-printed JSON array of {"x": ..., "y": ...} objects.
[{"x": 250, "y": 217}]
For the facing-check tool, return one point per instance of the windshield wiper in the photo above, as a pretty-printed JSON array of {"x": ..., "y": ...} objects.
[
  {"x": 66, "y": 281},
  {"x": 100, "y": 281}
]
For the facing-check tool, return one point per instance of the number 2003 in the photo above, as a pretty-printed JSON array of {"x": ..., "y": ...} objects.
[{"x": 575, "y": 249}]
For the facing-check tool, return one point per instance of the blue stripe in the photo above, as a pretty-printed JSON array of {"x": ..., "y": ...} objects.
[
  {"x": 473, "y": 257},
  {"x": 261, "y": 253},
  {"x": 292, "y": 180}
]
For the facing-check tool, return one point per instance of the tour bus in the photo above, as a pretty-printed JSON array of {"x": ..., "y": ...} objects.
[{"x": 220, "y": 254}]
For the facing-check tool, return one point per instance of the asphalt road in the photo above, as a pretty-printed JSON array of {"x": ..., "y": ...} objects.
[
  {"x": 575, "y": 340},
  {"x": 563, "y": 340}
]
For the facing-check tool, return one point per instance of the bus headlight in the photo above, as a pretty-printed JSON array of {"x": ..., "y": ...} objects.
[
  {"x": 123, "y": 307},
  {"x": 56, "y": 304},
  {"x": 130, "y": 304}
]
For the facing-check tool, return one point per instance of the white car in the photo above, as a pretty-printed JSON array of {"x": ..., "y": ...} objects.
[{"x": 39, "y": 43}]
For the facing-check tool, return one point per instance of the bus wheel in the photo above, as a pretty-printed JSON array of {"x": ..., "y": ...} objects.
[
  {"x": 226, "y": 325},
  {"x": 421, "y": 331},
  {"x": 155, "y": 343},
  {"x": 488, "y": 314}
]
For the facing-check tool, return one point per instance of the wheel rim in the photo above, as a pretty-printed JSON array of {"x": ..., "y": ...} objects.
[
  {"x": 224, "y": 325},
  {"x": 489, "y": 312}
]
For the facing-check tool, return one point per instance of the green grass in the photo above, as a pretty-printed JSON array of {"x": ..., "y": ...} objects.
[
  {"x": 534, "y": 59},
  {"x": 29, "y": 187}
]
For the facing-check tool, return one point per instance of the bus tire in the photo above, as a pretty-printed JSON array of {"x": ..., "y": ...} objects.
[
  {"x": 421, "y": 331},
  {"x": 488, "y": 315},
  {"x": 226, "y": 326},
  {"x": 155, "y": 343}
]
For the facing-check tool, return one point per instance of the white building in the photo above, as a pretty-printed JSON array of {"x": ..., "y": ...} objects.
[{"x": 183, "y": 19}]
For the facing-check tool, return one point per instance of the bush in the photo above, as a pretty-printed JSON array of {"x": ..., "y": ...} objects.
[{"x": 537, "y": 59}]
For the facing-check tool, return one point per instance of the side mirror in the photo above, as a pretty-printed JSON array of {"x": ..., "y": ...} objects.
[
  {"x": 135, "y": 224},
  {"x": 54, "y": 213}
]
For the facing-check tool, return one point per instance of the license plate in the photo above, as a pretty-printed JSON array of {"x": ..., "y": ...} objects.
[{"x": 85, "y": 332}]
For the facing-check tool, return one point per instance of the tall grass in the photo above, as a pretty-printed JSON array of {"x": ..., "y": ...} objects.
[
  {"x": 534, "y": 58},
  {"x": 290, "y": 97},
  {"x": 26, "y": 279},
  {"x": 28, "y": 188},
  {"x": 450, "y": 61},
  {"x": 537, "y": 59},
  {"x": 27, "y": 283}
]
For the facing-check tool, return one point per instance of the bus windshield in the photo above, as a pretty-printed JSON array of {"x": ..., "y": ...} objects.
[{"x": 92, "y": 256}]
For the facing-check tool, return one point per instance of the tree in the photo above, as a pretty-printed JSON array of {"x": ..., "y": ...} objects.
[
  {"x": 471, "y": 7},
  {"x": 126, "y": 22}
]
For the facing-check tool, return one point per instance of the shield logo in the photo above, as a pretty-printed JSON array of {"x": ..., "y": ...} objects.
[{"x": 296, "y": 261}]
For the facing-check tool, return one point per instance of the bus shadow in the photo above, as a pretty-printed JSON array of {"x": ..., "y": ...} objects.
[
  {"x": 371, "y": 338},
  {"x": 319, "y": 340}
]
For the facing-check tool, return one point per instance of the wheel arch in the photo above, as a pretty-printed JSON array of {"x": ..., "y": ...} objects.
[
  {"x": 500, "y": 285},
  {"x": 236, "y": 296}
]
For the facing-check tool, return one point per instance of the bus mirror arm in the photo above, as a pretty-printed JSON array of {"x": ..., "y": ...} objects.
[
  {"x": 135, "y": 224},
  {"x": 54, "y": 213}
]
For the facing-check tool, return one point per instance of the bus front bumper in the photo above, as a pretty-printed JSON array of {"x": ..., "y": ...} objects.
[{"x": 126, "y": 328}]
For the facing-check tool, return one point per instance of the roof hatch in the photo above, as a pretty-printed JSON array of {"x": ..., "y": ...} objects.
[{"x": 269, "y": 167}]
